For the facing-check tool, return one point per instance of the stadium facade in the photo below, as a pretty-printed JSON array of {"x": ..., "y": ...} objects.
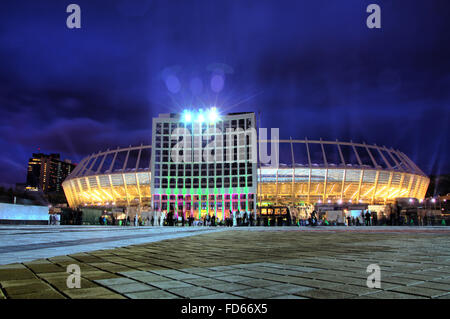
[{"x": 174, "y": 175}]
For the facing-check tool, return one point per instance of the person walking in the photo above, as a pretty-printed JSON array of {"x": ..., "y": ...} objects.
[
  {"x": 374, "y": 219},
  {"x": 163, "y": 217},
  {"x": 238, "y": 218},
  {"x": 367, "y": 218},
  {"x": 313, "y": 218}
]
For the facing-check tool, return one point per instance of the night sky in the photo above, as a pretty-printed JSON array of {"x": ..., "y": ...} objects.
[{"x": 312, "y": 68}]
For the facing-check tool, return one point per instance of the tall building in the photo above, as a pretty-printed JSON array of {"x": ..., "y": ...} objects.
[
  {"x": 46, "y": 172},
  {"x": 202, "y": 163}
]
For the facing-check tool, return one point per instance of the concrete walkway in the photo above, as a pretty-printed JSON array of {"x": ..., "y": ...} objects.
[
  {"x": 229, "y": 263},
  {"x": 26, "y": 243}
]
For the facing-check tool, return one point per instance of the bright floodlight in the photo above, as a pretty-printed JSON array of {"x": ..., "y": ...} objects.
[
  {"x": 187, "y": 116},
  {"x": 200, "y": 117},
  {"x": 213, "y": 115}
]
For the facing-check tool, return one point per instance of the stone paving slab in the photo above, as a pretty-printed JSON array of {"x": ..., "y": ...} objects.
[
  {"x": 392, "y": 295},
  {"x": 152, "y": 294},
  {"x": 245, "y": 263},
  {"x": 218, "y": 296},
  {"x": 433, "y": 285},
  {"x": 257, "y": 293},
  {"x": 419, "y": 291},
  {"x": 324, "y": 294},
  {"x": 191, "y": 292},
  {"x": 133, "y": 287},
  {"x": 170, "y": 284},
  {"x": 288, "y": 288}
]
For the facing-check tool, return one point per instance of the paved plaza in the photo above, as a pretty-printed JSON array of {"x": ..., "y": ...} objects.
[{"x": 224, "y": 263}]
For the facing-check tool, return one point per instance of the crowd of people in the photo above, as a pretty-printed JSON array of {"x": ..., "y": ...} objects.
[
  {"x": 244, "y": 218},
  {"x": 366, "y": 218},
  {"x": 169, "y": 219}
]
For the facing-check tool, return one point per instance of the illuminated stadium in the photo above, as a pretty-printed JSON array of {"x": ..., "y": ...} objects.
[{"x": 312, "y": 172}]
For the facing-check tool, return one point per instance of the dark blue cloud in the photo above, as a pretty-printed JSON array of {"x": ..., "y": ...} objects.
[{"x": 311, "y": 67}]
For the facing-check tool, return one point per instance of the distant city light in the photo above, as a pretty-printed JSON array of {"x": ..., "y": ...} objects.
[
  {"x": 433, "y": 200},
  {"x": 340, "y": 201}
]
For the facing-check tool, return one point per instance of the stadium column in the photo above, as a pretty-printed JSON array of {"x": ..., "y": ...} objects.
[
  {"x": 125, "y": 188},
  {"x": 111, "y": 186},
  {"x": 293, "y": 186},
  {"x": 377, "y": 176},
  {"x": 360, "y": 184},
  {"x": 343, "y": 183},
  {"x": 310, "y": 170},
  {"x": 138, "y": 188},
  {"x": 276, "y": 188},
  {"x": 362, "y": 172},
  {"x": 388, "y": 193},
  {"x": 418, "y": 186},
  {"x": 293, "y": 174},
  {"x": 411, "y": 180},
  {"x": 98, "y": 183},
  {"x": 345, "y": 171},
  {"x": 326, "y": 171},
  {"x": 400, "y": 185},
  {"x": 88, "y": 184}
]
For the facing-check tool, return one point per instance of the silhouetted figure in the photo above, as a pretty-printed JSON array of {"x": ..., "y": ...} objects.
[
  {"x": 374, "y": 219},
  {"x": 313, "y": 221},
  {"x": 367, "y": 215},
  {"x": 238, "y": 218}
]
